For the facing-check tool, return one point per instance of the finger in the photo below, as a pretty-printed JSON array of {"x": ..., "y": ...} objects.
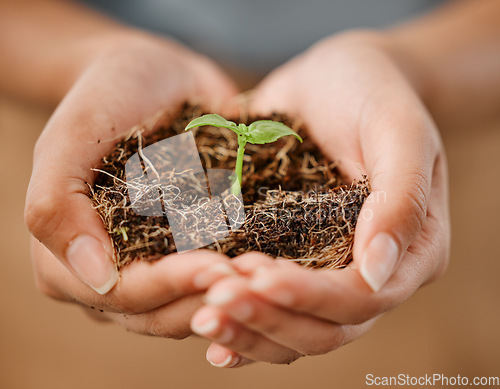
[
  {"x": 300, "y": 332},
  {"x": 400, "y": 148},
  {"x": 248, "y": 263},
  {"x": 220, "y": 356},
  {"x": 340, "y": 296},
  {"x": 211, "y": 323},
  {"x": 169, "y": 321},
  {"x": 103, "y": 104},
  {"x": 144, "y": 286}
]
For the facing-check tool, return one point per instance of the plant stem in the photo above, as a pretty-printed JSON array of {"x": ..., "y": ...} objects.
[{"x": 239, "y": 161}]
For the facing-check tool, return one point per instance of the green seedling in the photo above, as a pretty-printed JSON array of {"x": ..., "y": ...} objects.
[{"x": 257, "y": 133}]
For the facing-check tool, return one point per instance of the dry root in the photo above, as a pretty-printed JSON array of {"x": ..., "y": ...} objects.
[{"x": 295, "y": 206}]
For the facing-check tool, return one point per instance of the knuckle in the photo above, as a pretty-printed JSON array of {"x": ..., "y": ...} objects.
[
  {"x": 417, "y": 197},
  {"x": 39, "y": 213},
  {"x": 154, "y": 327}
]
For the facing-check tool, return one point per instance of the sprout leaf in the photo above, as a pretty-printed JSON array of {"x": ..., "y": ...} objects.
[
  {"x": 259, "y": 132},
  {"x": 213, "y": 120},
  {"x": 268, "y": 131}
]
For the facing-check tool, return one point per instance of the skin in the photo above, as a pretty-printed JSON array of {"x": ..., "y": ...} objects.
[
  {"x": 370, "y": 99},
  {"x": 377, "y": 107},
  {"x": 379, "y": 123},
  {"x": 99, "y": 105}
]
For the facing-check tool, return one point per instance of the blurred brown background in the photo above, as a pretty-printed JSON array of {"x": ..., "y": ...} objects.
[{"x": 450, "y": 327}]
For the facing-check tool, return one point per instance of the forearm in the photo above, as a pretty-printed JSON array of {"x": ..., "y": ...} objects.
[
  {"x": 46, "y": 44},
  {"x": 452, "y": 56}
]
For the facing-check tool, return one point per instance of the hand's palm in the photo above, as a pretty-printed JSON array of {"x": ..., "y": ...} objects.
[{"x": 119, "y": 89}]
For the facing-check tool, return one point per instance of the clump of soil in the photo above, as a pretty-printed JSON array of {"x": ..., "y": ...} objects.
[{"x": 296, "y": 204}]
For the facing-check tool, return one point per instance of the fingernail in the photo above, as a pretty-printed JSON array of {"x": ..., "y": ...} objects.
[
  {"x": 89, "y": 260},
  {"x": 220, "y": 297},
  {"x": 379, "y": 261},
  {"x": 264, "y": 282},
  {"x": 212, "y": 274},
  {"x": 207, "y": 325},
  {"x": 230, "y": 361},
  {"x": 202, "y": 326}
]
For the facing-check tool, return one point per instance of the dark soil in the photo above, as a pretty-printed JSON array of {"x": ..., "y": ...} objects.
[{"x": 296, "y": 204}]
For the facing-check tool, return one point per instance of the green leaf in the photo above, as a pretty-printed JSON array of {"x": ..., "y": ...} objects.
[
  {"x": 268, "y": 131},
  {"x": 212, "y": 120}
]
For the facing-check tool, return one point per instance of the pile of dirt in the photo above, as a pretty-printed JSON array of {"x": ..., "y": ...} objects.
[{"x": 295, "y": 202}]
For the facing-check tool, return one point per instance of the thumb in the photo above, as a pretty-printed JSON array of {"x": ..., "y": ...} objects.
[{"x": 400, "y": 150}]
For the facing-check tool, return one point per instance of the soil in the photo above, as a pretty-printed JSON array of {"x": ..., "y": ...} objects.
[{"x": 297, "y": 205}]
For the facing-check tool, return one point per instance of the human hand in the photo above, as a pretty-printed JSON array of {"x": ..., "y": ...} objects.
[
  {"x": 362, "y": 110},
  {"x": 128, "y": 80}
]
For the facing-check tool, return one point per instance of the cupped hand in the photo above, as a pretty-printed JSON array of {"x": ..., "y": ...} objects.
[
  {"x": 127, "y": 81},
  {"x": 360, "y": 107}
]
